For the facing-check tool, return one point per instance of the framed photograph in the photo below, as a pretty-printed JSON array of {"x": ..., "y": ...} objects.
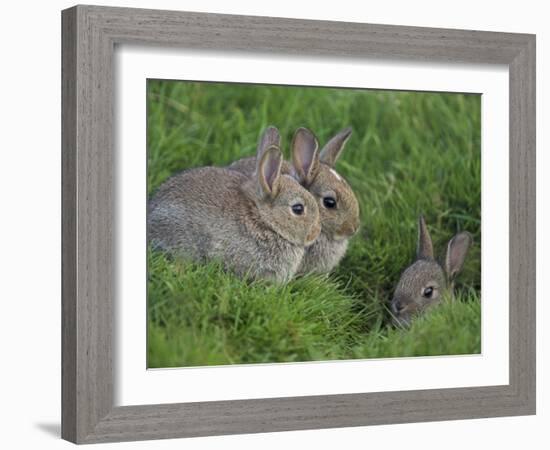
[{"x": 279, "y": 224}]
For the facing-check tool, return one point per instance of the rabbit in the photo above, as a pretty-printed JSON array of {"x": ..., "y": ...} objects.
[
  {"x": 338, "y": 206},
  {"x": 423, "y": 283},
  {"x": 256, "y": 226}
]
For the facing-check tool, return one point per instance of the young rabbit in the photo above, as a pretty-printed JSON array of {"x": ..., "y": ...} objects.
[
  {"x": 424, "y": 282},
  {"x": 256, "y": 226},
  {"x": 338, "y": 206}
]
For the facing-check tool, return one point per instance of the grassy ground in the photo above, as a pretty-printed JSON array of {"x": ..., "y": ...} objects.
[{"x": 409, "y": 153}]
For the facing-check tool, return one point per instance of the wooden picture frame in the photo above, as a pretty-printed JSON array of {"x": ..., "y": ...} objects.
[{"x": 90, "y": 34}]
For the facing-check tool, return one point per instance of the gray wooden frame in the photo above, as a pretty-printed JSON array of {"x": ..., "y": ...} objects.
[{"x": 89, "y": 36}]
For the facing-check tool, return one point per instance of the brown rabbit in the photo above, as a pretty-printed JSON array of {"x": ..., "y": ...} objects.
[
  {"x": 338, "y": 206},
  {"x": 424, "y": 282},
  {"x": 257, "y": 226}
]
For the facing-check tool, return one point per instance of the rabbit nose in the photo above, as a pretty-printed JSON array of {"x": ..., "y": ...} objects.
[
  {"x": 313, "y": 233},
  {"x": 348, "y": 230},
  {"x": 397, "y": 306}
]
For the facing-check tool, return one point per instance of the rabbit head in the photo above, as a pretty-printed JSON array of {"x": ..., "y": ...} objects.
[
  {"x": 314, "y": 169},
  {"x": 283, "y": 204},
  {"x": 424, "y": 282}
]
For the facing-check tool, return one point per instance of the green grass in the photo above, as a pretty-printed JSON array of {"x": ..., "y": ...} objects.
[{"x": 409, "y": 153}]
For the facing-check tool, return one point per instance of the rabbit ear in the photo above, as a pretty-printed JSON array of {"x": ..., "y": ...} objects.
[
  {"x": 305, "y": 155},
  {"x": 424, "y": 248},
  {"x": 269, "y": 171},
  {"x": 457, "y": 249},
  {"x": 269, "y": 138},
  {"x": 333, "y": 148}
]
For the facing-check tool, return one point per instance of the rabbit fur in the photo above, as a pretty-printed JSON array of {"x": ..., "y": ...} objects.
[
  {"x": 424, "y": 282},
  {"x": 314, "y": 170},
  {"x": 247, "y": 223}
]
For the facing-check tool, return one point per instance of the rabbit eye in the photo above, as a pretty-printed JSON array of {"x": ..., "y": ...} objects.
[
  {"x": 329, "y": 202},
  {"x": 428, "y": 292},
  {"x": 298, "y": 209}
]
